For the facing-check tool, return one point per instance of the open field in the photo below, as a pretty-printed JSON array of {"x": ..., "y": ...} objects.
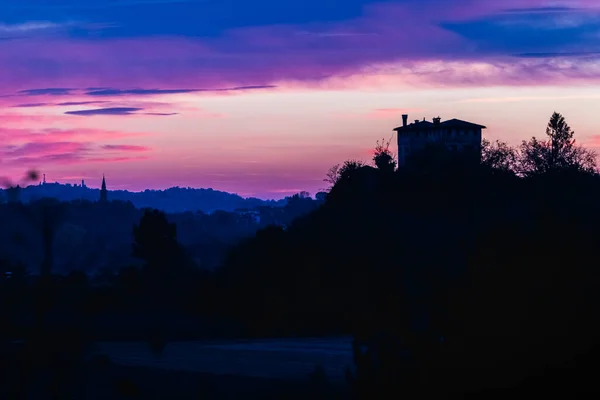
[{"x": 278, "y": 358}]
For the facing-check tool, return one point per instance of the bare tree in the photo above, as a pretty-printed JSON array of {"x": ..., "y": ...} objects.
[{"x": 332, "y": 175}]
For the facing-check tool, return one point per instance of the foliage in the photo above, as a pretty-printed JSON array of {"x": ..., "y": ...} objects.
[
  {"x": 558, "y": 152},
  {"x": 383, "y": 157},
  {"x": 498, "y": 156}
]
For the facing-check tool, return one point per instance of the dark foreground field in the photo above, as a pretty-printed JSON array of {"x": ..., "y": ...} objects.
[{"x": 259, "y": 369}]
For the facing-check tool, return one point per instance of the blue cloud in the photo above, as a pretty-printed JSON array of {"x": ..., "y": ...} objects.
[
  {"x": 31, "y": 105},
  {"x": 555, "y": 30},
  {"x": 106, "y": 111},
  {"x": 144, "y": 92},
  {"x": 79, "y": 103},
  {"x": 139, "y": 92},
  {"x": 46, "y": 91},
  {"x": 116, "y": 111},
  {"x": 132, "y": 18}
]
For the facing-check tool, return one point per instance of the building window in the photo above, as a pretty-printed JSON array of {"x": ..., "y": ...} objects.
[
  {"x": 453, "y": 133},
  {"x": 462, "y": 133}
]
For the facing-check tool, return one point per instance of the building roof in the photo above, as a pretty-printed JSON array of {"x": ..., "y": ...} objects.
[{"x": 451, "y": 123}]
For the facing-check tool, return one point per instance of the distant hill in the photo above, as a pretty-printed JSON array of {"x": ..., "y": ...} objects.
[{"x": 170, "y": 200}]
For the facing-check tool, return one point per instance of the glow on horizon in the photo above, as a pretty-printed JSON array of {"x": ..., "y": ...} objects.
[{"x": 288, "y": 118}]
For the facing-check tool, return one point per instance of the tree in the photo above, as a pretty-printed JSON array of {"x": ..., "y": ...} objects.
[
  {"x": 349, "y": 168},
  {"x": 383, "y": 157},
  {"x": 155, "y": 241},
  {"x": 46, "y": 216},
  {"x": 332, "y": 175},
  {"x": 498, "y": 156},
  {"x": 321, "y": 196},
  {"x": 344, "y": 171},
  {"x": 558, "y": 153}
]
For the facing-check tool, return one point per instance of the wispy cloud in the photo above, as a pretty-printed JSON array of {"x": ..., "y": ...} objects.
[
  {"x": 31, "y": 105},
  {"x": 105, "y": 111},
  {"x": 116, "y": 111},
  {"x": 149, "y": 92},
  {"x": 125, "y": 147},
  {"x": 28, "y": 27},
  {"x": 47, "y": 91},
  {"x": 80, "y": 103}
]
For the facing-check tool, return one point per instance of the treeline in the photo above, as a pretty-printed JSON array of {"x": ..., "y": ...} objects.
[
  {"x": 91, "y": 237},
  {"x": 172, "y": 200}
]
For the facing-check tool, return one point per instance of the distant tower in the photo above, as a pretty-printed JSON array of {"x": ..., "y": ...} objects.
[
  {"x": 103, "y": 192},
  {"x": 44, "y": 181},
  {"x": 82, "y": 183}
]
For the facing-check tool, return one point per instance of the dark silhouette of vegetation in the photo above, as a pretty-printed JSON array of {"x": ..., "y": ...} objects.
[
  {"x": 456, "y": 276},
  {"x": 383, "y": 158}
]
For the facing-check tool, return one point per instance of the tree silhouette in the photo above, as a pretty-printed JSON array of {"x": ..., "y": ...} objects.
[
  {"x": 348, "y": 169},
  {"x": 558, "y": 153},
  {"x": 46, "y": 216},
  {"x": 332, "y": 175},
  {"x": 155, "y": 241},
  {"x": 498, "y": 156},
  {"x": 383, "y": 157}
]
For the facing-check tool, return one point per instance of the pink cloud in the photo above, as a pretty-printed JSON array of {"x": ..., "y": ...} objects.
[
  {"x": 125, "y": 147},
  {"x": 20, "y": 135}
]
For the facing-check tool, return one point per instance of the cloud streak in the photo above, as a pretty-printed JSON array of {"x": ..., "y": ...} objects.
[
  {"x": 105, "y": 111},
  {"x": 125, "y": 147}
]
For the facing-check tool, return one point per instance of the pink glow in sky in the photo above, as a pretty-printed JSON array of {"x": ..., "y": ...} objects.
[{"x": 264, "y": 100}]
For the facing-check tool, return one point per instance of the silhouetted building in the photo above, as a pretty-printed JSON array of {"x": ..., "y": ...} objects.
[
  {"x": 454, "y": 134},
  {"x": 103, "y": 191}
]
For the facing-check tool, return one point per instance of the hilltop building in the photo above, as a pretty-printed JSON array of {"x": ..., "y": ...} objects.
[
  {"x": 454, "y": 134},
  {"x": 103, "y": 191}
]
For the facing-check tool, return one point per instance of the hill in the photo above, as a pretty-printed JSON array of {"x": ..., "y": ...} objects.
[{"x": 172, "y": 200}]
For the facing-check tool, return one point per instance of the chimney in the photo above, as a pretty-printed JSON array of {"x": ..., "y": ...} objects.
[
  {"x": 437, "y": 120},
  {"x": 404, "y": 119}
]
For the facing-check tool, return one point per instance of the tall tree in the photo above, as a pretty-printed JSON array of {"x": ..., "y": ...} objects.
[
  {"x": 155, "y": 241},
  {"x": 558, "y": 152}
]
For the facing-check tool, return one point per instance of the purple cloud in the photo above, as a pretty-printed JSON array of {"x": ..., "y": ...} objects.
[
  {"x": 116, "y": 111},
  {"x": 106, "y": 111},
  {"x": 460, "y": 32},
  {"x": 47, "y": 91},
  {"x": 125, "y": 147},
  {"x": 31, "y": 105},
  {"x": 147, "y": 92},
  {"x": 80, "y": 103}
]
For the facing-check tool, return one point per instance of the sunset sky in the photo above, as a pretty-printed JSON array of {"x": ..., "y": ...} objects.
[{"x": 261, "y": 97}]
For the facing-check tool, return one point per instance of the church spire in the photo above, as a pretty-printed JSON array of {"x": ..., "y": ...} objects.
[{"x": 103, "y": 192}]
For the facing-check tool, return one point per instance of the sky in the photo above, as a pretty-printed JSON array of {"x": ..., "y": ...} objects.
[{"x": 262, "y": 97}]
